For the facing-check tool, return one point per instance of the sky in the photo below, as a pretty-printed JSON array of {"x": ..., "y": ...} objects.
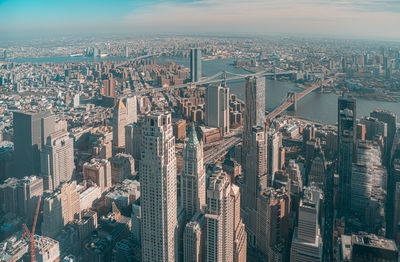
[{"x": 372, "y": 19}]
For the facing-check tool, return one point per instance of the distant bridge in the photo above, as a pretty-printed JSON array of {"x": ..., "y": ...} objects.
[
  {"x": 291, "y": 99},
  {"x": 215, "y": 79}
]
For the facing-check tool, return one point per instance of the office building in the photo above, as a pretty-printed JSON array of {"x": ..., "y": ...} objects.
[
  {"x": 255, "y": 179},
  {"x": 217, "y": 107},
  {"x": 99, "y": 172},
  {"x": 346, "y": 147},
  {"x": 239, "y": 231},
  {"x": 30, "y": 131},
  {"x": 195, "y": 64},
  {"x": 20, "y": 196},
  {"x": 369, "y": 247},
  {"x": 109, "y": 87},
  {"x": 120, "y": 120},
  {"x": 273, "y": 145},
  {"x": 307, "y": 241},
  {"x": 255, "y": 168},
  {"x": 396, "y": 213},
  {"x": 374, "y": 127},
  {"x": 158, "y": 189},
  {"x": 318, "y": 166},
  {"x": 390, "y": 119},
  {"x": 57, "y": 160},
  {"x": 130, "y": 103},
  {"x": 273, "y": 208},
  {"x": 194, "y": 239},
  {"x": 122, "y": 167},
  {"x": 254, "y": 113},
  {"x": 133, "y": 140},
  {"x": 369, "y": 177},
  {"x": 220, "y": 219},
  {"x": 193, "y": 178},
  {"x": 59, "y": 208}
]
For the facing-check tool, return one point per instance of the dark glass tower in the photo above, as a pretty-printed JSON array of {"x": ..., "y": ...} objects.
[
  {"x": 30, "y": 133},
  {"x": 346, "y": 147}
]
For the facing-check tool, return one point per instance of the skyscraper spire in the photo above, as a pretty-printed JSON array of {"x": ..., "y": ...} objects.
[{"x": 193, "y": 136}]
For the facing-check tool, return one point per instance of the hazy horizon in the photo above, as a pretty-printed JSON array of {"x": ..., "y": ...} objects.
[{"x": 369, "y": 19}]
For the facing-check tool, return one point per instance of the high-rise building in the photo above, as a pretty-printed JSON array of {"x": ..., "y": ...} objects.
[
  {"x": 318, "y": 166},
  {"x": 59, "y": 208},
  {"x": 254, "y": 107},
  {"x": 369, "y": 247},
  {"x": 369, "y": 177},
  {"x": 30, "y": 132},
  {"x": 195, "y": 64},
  {"x": 255, "y": 168},
  {"x": 109, "y": 87},
  {"x": 130, "y": 103},
  {"x": 122, "y": 167},
  {"x": 220, "y": 219},
  {"x": 273, "y": 207},
  {"x": 307, "y": 241},
  {"x": 274, "y": 138},
  {"x": 20, "y": 196},
  {"x": 346, "y": 147},
  {"x": 390, "y": 119},
  {"x": 239, "y": 231},
  {"x": 133, "y": 140},
  {"x": 396, "y": 213},
  {"x": 193, "y": 178},
  {"x": 57, "y": 160},
  {"x": 120, "y": 120},
  {"x": 98, "y": 171},
  {"x": 374, "y": 127},
  {"x": 158, "y": 189},
  {"x": 217, "y": 107},
  {"x": 193, "y": 239}
]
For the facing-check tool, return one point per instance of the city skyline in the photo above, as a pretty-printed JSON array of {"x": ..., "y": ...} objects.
[{"x": 370, "y": 19}]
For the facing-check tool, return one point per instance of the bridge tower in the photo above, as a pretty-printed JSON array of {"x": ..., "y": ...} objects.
[{"x": 291, "y": 98}]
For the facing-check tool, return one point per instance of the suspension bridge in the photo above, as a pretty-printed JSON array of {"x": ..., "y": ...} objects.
[
  {"x": 290, "y": 101},
  {"x": 218, "y": 77}
]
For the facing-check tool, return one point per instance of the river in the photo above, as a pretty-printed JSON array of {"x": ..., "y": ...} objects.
[{"x": 315, "y": 106}]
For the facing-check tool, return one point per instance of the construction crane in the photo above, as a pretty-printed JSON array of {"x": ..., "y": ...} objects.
[{"x": 29, "y": 235}]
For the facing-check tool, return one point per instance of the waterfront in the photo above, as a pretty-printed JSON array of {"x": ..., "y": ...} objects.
[{"x": 316, "y": 106}]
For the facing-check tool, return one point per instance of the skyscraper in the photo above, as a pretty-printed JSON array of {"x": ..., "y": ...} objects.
[
  {"x": 57, "y": 160},
  {"x": 109, "y": 87},
  {"x": 318, "y": 165},
  {"x": 217, "y": 107},
  {"x": 195, "y": 64},
  {"x": 368, "y": 178},
  {"x": 30, "y": 131},
  {"x": 120, "y": 120},
  {"x": 60, "y": 208},
  {"x": 273, "y": 207},
  {"x": 307, "y": 241},
  {"x": 220, "y": 219},
  {"x": 133, "y": 140},
  {"x": 254, "y": 114},
  {"x": 20, "y": 196},
  {"x": 346, "y": 146},
  {"x": 158, "y": 189},
  {"x": 130, "y": 103},
  {"x": 273, "y": 153},
  {"x": 256, "y": 180},
  {"x": 193, "y": 181}
]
